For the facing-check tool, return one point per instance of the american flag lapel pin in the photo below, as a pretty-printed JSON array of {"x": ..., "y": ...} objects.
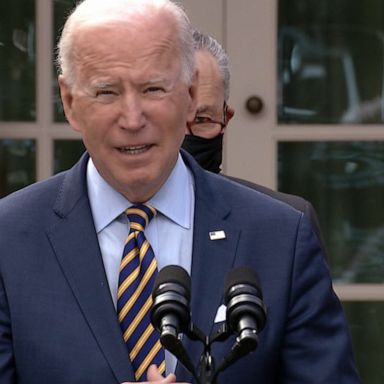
[{"x": 217, "y": 235}]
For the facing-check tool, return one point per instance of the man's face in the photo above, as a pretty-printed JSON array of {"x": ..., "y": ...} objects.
[
  {"x": 130, "y": 102},
  {"x": 210, "y": 91}
]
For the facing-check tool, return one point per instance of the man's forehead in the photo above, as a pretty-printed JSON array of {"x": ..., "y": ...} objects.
[
  {"x": 108, "y": 46},
  {"x": 127, "y": 34},
  {"x": 210, "y": 93}
]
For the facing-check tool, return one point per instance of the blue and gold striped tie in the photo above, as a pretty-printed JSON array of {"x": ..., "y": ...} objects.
[{"x": 138, "y": 271}]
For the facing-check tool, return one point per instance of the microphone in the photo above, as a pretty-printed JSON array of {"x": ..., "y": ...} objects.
[
  {"x": 170, "y": 312},
  {"x": 171, "y": 294},
  {"x": 246, "y": 313}
]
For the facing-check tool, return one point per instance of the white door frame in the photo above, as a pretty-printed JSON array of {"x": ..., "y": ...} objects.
[{"x": 248, "y": 31}]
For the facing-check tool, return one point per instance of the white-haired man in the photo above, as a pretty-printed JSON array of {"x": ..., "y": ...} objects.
[{"x": 79, "y": 251}]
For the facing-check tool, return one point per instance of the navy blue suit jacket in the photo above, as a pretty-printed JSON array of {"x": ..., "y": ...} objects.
[{"x": 58, "y": 323}]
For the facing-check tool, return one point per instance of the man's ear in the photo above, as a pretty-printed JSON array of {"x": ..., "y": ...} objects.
[
  {"x": 67, "y": 100},
  {"x": 193, "y": 96},
  {"x": 229, "y": 113}
]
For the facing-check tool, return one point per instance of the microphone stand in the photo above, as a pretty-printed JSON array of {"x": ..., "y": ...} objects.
[
  {"x": 207, "y": 369},
  {"x": 208, "y": 373}
]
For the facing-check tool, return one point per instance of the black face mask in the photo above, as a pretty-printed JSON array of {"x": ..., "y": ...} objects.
[{"x": 207, "y": 152}]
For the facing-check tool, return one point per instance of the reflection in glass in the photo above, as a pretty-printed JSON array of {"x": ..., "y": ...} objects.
[
  {"x": 345, "y": 183},
  {"x": 331, "y": 61},
  {"x": 17, "y": 60},
  {"x": 67, "y": 153},
  {"x": 17, "y": 164},
  {"x": 61, "y": 10},
  {"x": 366, "y": 323}
]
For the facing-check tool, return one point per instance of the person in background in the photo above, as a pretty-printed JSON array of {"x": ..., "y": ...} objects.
[
  {"x": 205, "y": 134},
  {"x": 79, "y": 252}
]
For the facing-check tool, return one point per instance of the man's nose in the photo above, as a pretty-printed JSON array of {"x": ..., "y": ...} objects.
[{"x": 132, "y": 115}]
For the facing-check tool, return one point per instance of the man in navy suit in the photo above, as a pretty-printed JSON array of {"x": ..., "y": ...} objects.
[{"x": 128, "y": 84}]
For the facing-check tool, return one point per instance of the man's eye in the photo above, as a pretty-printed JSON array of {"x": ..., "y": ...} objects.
[
  {"x": 105, "y": 92},
  {"x": 154, "y": 89},
  {"x": 202, "y": 119}
]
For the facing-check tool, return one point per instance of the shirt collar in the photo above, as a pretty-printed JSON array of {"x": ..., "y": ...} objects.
[{"x": 173, "y": 200}]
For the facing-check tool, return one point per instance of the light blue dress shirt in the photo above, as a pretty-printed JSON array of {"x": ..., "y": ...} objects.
[{"x": 170, "y": 232}]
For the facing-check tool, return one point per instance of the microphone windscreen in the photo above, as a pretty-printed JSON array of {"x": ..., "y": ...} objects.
[
  {"x": 174, "y": 274},
  {"x": 242, "y": 275}
]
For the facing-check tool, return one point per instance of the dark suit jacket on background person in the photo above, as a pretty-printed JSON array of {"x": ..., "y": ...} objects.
[
  {"x": 295, "y": 201},
  {"x": 58, "y": 321}
]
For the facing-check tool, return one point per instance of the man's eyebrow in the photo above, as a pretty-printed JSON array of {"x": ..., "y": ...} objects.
[
  {"x": 103, "y": 84},
  {"x": 157, "y": 79},
  {"x": 205, "y": 108}
]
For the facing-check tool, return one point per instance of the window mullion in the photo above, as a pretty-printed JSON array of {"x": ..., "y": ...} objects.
[{"x": 44, "y": 95}]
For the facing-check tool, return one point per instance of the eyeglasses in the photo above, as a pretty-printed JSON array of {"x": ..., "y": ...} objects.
[{"x": 204, "y": 126}]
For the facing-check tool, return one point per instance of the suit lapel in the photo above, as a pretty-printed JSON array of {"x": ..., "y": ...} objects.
[
  {"x": 75, "y": 244},
  {"x": 211, "y": 259}
]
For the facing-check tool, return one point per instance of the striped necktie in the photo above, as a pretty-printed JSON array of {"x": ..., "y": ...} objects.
[{"x": 138, "y": 271}]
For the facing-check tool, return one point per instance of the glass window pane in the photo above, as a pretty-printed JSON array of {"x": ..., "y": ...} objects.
[
  {"x": 61, "y": 10},
  {"x": 366, "y": 322},
  {"x": 17, "y": 60},
  {"x": 345, "y": 183},
  {"x": 67, "y": 153},
  {"x": 331, "y": 61},
  {"x": 17, "y": 164}
]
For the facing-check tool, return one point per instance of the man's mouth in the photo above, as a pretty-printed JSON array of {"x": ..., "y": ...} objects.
[{"x": 135, "y": 149}]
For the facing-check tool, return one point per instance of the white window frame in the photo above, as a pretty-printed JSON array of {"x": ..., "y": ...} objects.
[{"x": 44, "y": 131}]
